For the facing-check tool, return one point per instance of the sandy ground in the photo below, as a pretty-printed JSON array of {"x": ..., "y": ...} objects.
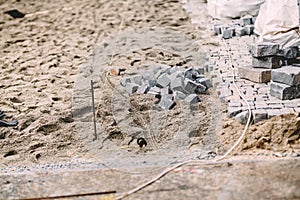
[{"x": 47, "y": 59}]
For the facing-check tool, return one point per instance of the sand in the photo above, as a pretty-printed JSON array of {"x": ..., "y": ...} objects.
[{"x": 49, "y": 57}]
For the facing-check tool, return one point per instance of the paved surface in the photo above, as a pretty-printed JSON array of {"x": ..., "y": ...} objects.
[{"x": 262, "y": 104}]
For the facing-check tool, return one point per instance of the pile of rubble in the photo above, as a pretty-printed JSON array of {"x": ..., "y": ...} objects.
[
  {"x": 241, "y": 27},
  {"x": 169, "y": 84}
]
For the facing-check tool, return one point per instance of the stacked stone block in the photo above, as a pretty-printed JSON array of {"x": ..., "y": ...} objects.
[
  {"x": 285, "y": 83},
  {"x": 241, "y": 27},
  {"x": 169, "y": 84}
]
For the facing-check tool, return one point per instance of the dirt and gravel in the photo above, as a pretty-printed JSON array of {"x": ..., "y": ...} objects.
[{"x": 48, "y": 59}]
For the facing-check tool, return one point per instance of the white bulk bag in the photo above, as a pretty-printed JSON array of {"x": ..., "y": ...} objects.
[
  {"x": 233, "y": 8},
  {"x": 278, "y": 22}
]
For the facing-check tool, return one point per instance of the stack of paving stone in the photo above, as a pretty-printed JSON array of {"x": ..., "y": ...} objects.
[
  {"x": 241, "y": 27},
  {"x": 265, "y": 57},
  {"x": 169, "y": 84},
  {"x": 285, "y": 83}
]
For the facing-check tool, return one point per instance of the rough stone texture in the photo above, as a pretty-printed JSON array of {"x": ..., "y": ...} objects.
[
  {"x": 271, "y": 62},
  {"x": 131, "y": 87},
  {"x": 283, "y": 91},
  {"x": 154, "y": 90},
  {"x": 190, "y": 86},
  {"x": 227, "y": 33},
  {"x": 163, "y": 81},
  {"x": 242, "y": 117},
  {"x": 240, "y": 31},
  {"x": 177, "y": 85},
  {"x": 259, "y": 115},
  {"x": 192, "y": 98},
  {"x": 125, "y": 80},
  {"x": 204, "y": 81},
  {"x": 249, "y": 29},
  {"x": 246, "y": 21},
  {"x": 218, "y": 29},
  {"x": 233, "y": 111},
  {"x": 166, "y": 102},
  {"x": 143, "y": 89},
  {"x": 257, "y": 75},
  {"x": 291, "y": 52},
  {"x": 289, "y": 75},
  {"x": 178, "y": 95},
  {"x": 263, "y": 49}
]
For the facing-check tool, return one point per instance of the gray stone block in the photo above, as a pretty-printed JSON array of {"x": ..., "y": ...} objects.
[
  {"x": 263, "y": 49},
  {"x": 259, "y": 115},
  {"x": 148, "y": 75},
  {"x": 163, "y": 81},
  {"x": 227, "y": 33},
  {"x": 240, "y": 31},
  {"x": 270, "y": 62},
  {"x": 242, "y": 117},
  {"x": 258, "y": 75},
  {"x": 143, "y": 89},
  {"x": 154, "y": 90},
  {"x": 204, "y": 81},
  {"x": 165, "y": 91},
  {"x": 192, "y": 98},
  {"x": 131, "y": 87},
  {"x": 217, "y": 29},
  {"x": 199, "y": 69},
  {"x": 179, "y": 95},
  {"x": 289, "y": 75},
  {"x": 290, "y": 52},
  {"x": 200, "y": 89},
  {"x": 166, "y": 102},
  {"x": 190, "y": 85},
  {"x": 137, "y": 79},
  {"x": 283, "y": 91},
  {"x": 246, "y": 21},
  {"x": 177, "y": 85},
  {"x": 174, "y": 69},
  {"x": 124, "y": 81},
  {"x": 249, "y": 29}
]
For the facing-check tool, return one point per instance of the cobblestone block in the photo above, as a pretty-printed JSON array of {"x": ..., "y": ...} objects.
[
  {"x": 163, "y": 81},
  {"x": 290, "y": 52},
  {"x": 165, "y": 91},
  {"x": 177, "y": 85},
  {"x": 283, "y": 91},
  {"x": 125, "y": 80},
  {"x": 189, "y": 85},
  {"x": 200, "y": 89},
  {"x": 263, "y": 49},
  {"x": 178, "y": 95},
  {"x": 227, "y": 33},
  {"x": 204, "y": 81},
  {"x": 289, "y": 75},
  {"x": 240, "y": 31},
  {"x": 271, "y": 62},
  {"x": 137, "y": 79},
  {"x": 166, "y": 102},
  {"x": 172, "y": 70},
  {"x": 249, "y": 29},
  {"x": 260, "y": 105},
  {"x": 143, "y": 89},
  {"x": 217, "y": 29},
  {"x": 192, "y": 98},
  {"x": 242, "y": 117},
  {"x": 259, "y": 115},
  {"x": 257, "y": 75},
  {"x": 154, "y": 90},
  {"x": 246, "y": 21},
  {"x": 131, "y": 87}
]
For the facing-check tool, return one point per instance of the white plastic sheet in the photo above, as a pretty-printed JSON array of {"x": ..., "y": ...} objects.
[
  {"x": 278, "y": 22},
  {"x": 233, "y": 8}
]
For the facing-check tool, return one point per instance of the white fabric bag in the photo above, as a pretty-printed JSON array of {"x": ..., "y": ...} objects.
[
  {"x": 233, "y": 8},
  {"x": 278, "y": 22}
]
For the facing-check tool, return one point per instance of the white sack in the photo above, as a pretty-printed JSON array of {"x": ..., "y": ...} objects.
[
  {"x": 278, "y": 22},
  {"x": 233, "y": 8}
]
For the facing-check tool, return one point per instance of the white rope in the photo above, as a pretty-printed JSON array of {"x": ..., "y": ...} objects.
[{"x": 248, "y": 105}]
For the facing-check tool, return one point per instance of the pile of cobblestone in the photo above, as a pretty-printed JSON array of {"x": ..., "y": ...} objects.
[{"x": 169, "y": 84}]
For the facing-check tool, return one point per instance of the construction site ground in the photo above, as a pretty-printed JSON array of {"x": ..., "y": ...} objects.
[{"x": 48, "y": 60}]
